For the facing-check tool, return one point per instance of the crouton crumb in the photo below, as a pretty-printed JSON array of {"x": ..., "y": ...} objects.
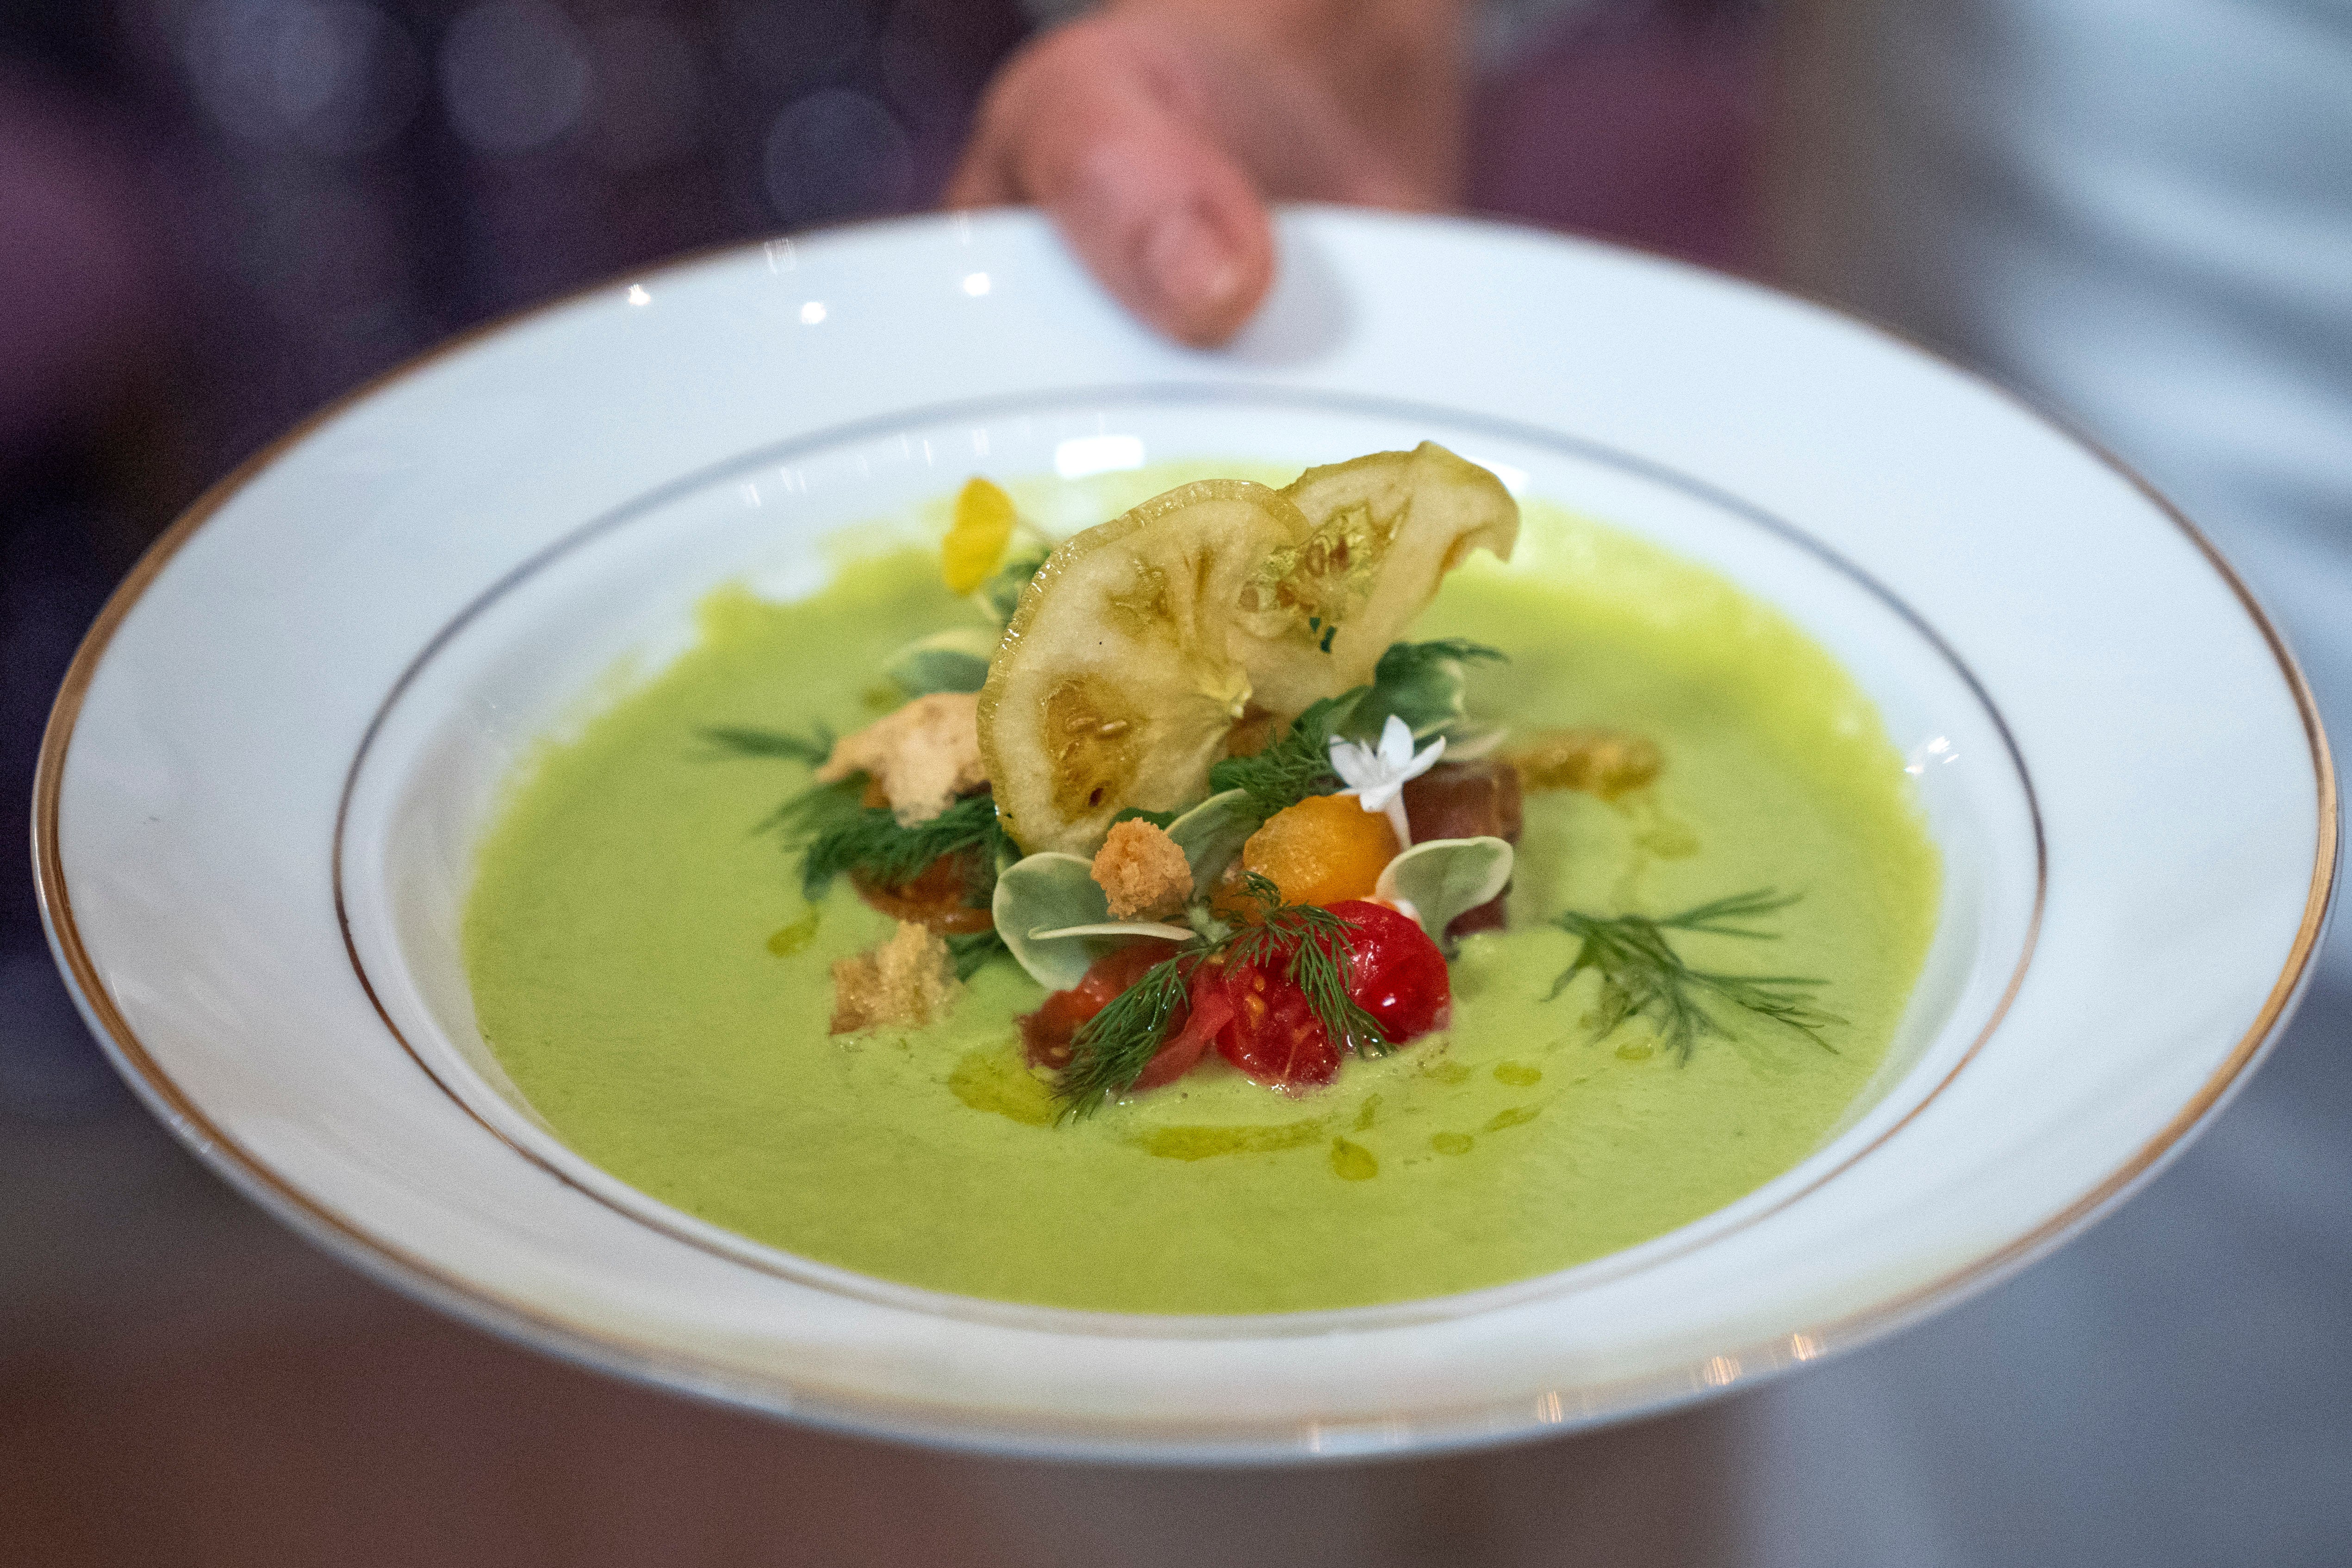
[
  {"x": 1598, "y": 761},
  {"x": 1142, "y": 872},
  {"x": 910, "y": 979},
  {"x": 923, "y": 755}
]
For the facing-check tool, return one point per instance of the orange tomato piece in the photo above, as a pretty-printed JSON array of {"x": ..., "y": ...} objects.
[{"x": 1324, "y": 850}]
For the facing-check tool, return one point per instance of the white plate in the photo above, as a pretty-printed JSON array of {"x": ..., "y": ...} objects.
[{"x": 259, "y": 790}]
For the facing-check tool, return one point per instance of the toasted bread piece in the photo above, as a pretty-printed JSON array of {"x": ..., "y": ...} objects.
[
  {"x": 1605, "y": 763},
  {"x": 1142, "y": 872},
  {"x": 923, "y": 755},
  {"x": 910, "y": 980}
]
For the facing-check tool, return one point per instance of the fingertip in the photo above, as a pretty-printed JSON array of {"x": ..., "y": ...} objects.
[
  {"x": 1173, "y": 228},
  {"x": 1201, "y": 281},
  {"x": 1098, "y": 123}
]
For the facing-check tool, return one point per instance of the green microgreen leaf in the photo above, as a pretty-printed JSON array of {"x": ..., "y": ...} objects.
[
  {"x": 1423, "y": 683},
  {"x": 1444, "y": 878},
  {"x": 952, "y": 660},
  {"x": 1000, "y": 594}
]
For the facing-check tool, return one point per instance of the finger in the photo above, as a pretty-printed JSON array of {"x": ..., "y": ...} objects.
[
  {"x": 1171, "y": 226},
  {"x": 1102, "y": 126}
]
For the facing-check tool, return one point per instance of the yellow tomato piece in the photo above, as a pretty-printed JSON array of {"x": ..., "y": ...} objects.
[
  {"x": 1324, "y": 850},
  {"x": 975, "y": 544}
]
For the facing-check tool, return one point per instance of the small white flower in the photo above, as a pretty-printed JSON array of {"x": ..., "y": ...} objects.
[{"x": 1377, "y": 775}]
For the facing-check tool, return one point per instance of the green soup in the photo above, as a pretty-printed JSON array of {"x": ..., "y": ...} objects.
[{"x": 644, "y": 967}]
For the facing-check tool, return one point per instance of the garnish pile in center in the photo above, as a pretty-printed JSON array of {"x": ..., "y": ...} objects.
[{"x": 1201, "y": 791}]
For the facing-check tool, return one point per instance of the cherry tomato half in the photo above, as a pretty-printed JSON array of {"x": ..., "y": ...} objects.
[
  {"x": 1400, "y": 974},
  {"x": 1047, "y": 1032},
  {"x": 1395, "y": 974},
  {"x": 1253, "y": 1014}
]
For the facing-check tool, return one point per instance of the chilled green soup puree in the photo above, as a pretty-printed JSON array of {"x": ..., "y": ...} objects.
[{"x": 644, "y": 969}]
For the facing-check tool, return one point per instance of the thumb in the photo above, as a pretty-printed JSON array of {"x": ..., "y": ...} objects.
[
  {"x": 1099, "y": 127},
  {"x": 1171, "y": 227}
]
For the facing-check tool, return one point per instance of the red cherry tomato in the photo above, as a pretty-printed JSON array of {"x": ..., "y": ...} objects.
[
  {"x": 1400, "y": 974},
  {"x": 1275, "y": 1035},
  {"x": 1211, "y": 1011},
  {"x": 1395, "y": 974},
  {"x": 1253, "y": 1013},
  {"x": 1049, "y": 1031}
]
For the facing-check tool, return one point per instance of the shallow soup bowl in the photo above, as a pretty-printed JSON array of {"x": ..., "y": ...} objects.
[{"x": 275, "y": 758}]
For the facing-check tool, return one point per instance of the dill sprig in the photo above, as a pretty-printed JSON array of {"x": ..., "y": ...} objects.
[
  {"x": 1643, "y": 976},
  {"x": 1111, "y": 1049},
  {"x": 1312, "y": 944},
  {"x": 812, "y": 811},
  {"x": 741, "y": 740},
  {"x": 871, "y": 840},
  {"x": 836, "y": 832},
  {"x": 1296, "y": 765}
]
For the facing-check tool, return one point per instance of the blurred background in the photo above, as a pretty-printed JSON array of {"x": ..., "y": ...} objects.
[{"x": 218, "y": 214}]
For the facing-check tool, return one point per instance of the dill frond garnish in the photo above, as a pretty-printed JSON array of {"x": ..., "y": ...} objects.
[
  {"x": 1309, "y": 944},
  {"x": 835, "y": 832},
  {"x": 807, "y": 807},
  {"x": 1643, "y": 976},
  {"x": 871, "y": 840},
  {"x": 741, "y": 740},
  {"x": 1296, "y": 765},
  {"x": 809, "y": 812},
  {"x": 1111, "y": 1049}
]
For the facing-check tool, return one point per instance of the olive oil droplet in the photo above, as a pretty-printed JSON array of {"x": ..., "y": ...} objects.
[
  {"x": 1205, "y": 1142},
  {"x": 789, "y": 939},
  {"x": 995, "y": 1080}
]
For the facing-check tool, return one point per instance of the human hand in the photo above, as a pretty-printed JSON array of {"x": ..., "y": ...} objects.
[{"x": 1154, "y": 132}]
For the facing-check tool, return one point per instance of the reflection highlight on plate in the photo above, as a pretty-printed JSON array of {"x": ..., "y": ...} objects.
[{"x": 1084, "y": 455}]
